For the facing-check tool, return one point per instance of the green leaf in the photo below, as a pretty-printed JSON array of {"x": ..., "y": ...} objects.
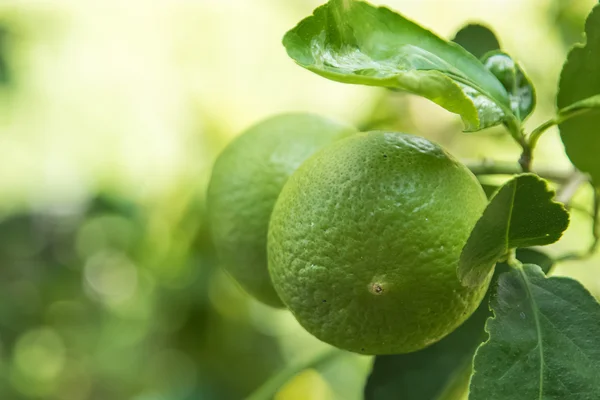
[
  {"x": 518, "y": 86},
  {"x": 355, "y": 42},
  {"x": 543, "y": 341},
  {"x": 440, "y": 371},
  {"x": 477, "y": 39},
  {"x": 433, "y": 373},
  {"x": 534, "y": 256},
  {"x": 489, "y": 189},
  {"x": 521, "y": 214},
  {"x": 579, "y": 80}
]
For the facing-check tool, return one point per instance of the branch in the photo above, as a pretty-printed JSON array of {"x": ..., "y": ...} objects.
[
  {"x": 569, "y": 188},
  {"x": 596, "y": 223},
  {"x": 491, "y": 167},
  {"x": 595, "y": 233}
]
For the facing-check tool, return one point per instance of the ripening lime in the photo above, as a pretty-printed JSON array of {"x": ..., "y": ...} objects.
[
  {"x": 246, "y": 180},
  {"x": 365, "y": 239}
]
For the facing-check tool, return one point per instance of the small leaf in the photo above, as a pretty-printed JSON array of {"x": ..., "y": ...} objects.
[
  {"x": 543, "y": 341},
  {"x": 518, "y": 86},
  {"x": 440, "y": 371},
  {"x": 355, "y": 42},
  {"x": 521, "y": 214},
  {"x": 579, "y": 80},
  {"x": 477, "y": 39}
]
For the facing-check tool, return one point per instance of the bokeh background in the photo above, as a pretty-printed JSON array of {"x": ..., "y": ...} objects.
[{"x": 111, "y": 115}]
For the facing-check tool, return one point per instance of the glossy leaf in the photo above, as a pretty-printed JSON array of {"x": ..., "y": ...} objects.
[
  {"x": 543, "y": 340},
  {"x": 580, "y": 79},
  {"x": 355, "y": 42},
  {"x": 521, "y": 214},
  {"x": 477, "y": 39},
  {"x": 442, "y": 370},
  {"x": 518, "y": 86}
]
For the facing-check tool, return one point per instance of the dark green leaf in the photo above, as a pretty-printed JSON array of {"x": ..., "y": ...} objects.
[
  {"x": 433, "y": 373},
  {"x": 355, "y": 42},
  {"x": 441, "y": 371},
  {"x": 477, "y": 39},
  {"x": 525, "y": 256},
  {"x": 489, "y": 189},
  {"x": 521, "y": 214},
  {"x": 580, "y": 79},
  {"x": 533, "y": 256},
  {"x": 543, "y": 341},
  {"x": 518, "y": 86}
]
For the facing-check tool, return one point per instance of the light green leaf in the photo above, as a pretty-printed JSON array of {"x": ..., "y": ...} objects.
[
  {"x": 521, "y": 214},
  {"x": 518, "y": 86},
  {"x": 355, "y": 42},
  {"x": 442, "y": 370},
  {"x": 477, "y": 39},
  {"x": 580, "y": 79},
  {"x": 543, "y": 341}
]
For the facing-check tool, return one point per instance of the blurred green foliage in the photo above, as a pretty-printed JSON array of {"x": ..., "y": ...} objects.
[
  {"x": 84, "y": 315},
  {"x": 4, "y": 66}
]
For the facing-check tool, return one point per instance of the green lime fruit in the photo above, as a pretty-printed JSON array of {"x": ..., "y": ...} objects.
[
  {"x": 246, "y": 180},
  {"x": 365, "y": 239}
]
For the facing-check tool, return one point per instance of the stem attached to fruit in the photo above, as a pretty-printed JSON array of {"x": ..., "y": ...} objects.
[{"x": 268, "y": 390}]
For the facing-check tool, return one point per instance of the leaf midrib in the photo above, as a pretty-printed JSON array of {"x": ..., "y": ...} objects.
[
  {"x": 536, "y": 319},
  {"x": 510, "y": 214}
]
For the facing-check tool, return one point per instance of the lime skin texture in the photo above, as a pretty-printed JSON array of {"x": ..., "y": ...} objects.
[
  {"x": 246, "y": 180},
  {"x": 365, "y": 239}
]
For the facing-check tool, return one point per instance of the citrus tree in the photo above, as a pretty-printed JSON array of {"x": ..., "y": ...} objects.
[{"x": 383, "y": 243}]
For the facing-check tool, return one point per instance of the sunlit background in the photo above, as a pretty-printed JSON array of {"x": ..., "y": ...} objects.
[{"x": 111, "y": 114}]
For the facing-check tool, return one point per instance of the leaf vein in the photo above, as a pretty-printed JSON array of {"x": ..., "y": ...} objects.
[{"x": 536, "y": 319}]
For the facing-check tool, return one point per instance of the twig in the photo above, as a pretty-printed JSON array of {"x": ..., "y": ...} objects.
[
  {"x": 537, "y": 132},
  {"x": 491, "y": 167},
  {"x": 595, "y": 233},
  {"x": 569, "y": 188},
  {"x": 579, "y": 108},
  {"x": 596, "y": 223},
  {"x": 526, "y": 157}
]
